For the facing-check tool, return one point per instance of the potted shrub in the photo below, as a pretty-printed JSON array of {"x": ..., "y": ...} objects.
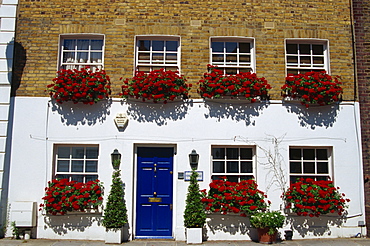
[
  {"x": 309, "y": 197},
  {"x": 80, "y": 86},
  {"x": 242, "y": 197},
  {"x": 62, "y": 196},
  {"x": 242, "y": 85},
  {"x": 313, "y": 88},
  {"x": 115, "y": 212},
  {"x": 194, "y": 215},
  {"x": 267, "y": 224},
  {"x": 158, "y": 85}
]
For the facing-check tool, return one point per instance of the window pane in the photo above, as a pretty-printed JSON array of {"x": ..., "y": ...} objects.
[
  {"x": 318, "y": 60},
  {"x": 292, "y": 59},
  {"x": 77, "y": 166},
  {"x": 308, "y": 154},
  {"x": 157, "y": 45},
  {"x": 322, "y": 167},
  {"x": 232, "y": 153},
  {"x": 325, "y": 178},
  {"x": 144, "y": 56},
  {"x": 246, "y": 167},
  {"x": 62, "y": 166},
  {"x": 217, "y": 58},
  {"x": 317, "y": 49},
  {"x": 62, "y": 176},
  {"x": 308, "y": 167},
  {"x": 96, "y": 44},
  {"x": 63, "y": 152},
  {"x": 322, "y": 154},
  {"x": 144, "y": 45},
  {"x": 69, "y": 44},
  {"x": 231, "y": 71},
  {"x": 231, "y": 58},
  {"x": 82, "y": 57},
  {"x": 305, "y": 59},
  {"x": 68, "y": 57},
  {"x": 157, "y": 57},
  {"x": 219, "y": 167},
  {"x": 246, "y": 153},
  {"x": 232, "y": 167},
  {"x": 77, "y": 178},
  {"x": 245, "y": 58},
  {"x": 304, "y": 49},
  {"x": 295, "y": 167},
  {"x": 77, "y": 152},
  {"x": 231, "y": 47},
  {"x": 244, "y": 47},
  {"x": 92, "y": 152},
  {"x": 232, "y": 178},
  {"x": 171, "y": 56},
  {"x": 246, "y": 177},
  {"x": 245, "y": 70},
  {"x": 171, "y": 45},
  {"x": 217, "y": 46},
  {"x": 82, "y": 44},
  {"x": 91, "y": 166},
  {"x": 91, "y": 178},
  {"x": 292, "y": 49},
  {"x": 293, "y": 71},
  {"x": 143, "y": 69},
  {"x": 295, "y": 154},
  {"x": 96, "y": 57},
  {"x": 218, "y": 153}
]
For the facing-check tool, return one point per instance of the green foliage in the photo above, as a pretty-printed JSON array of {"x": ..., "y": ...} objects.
[
  {"x": 194, "y": 215},
  {"x": 115, "y": 212},
  {"x": 15, "y": 230},
  {"x": 271, "y": 220}
]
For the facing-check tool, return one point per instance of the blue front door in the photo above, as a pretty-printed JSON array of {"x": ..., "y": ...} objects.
[{"x": 154, "y": 192}]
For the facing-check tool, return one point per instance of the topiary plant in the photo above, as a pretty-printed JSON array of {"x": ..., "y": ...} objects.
[
  {"x": 115, "y": 212},
  {"x": 194, "y": 215}
]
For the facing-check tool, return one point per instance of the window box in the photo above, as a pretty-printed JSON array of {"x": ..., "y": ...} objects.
[
  {"x": 156, "y": 86},
  {"x": 248, "y": 86}
]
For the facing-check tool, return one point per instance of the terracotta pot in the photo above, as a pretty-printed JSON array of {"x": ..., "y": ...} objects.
[{"x": 264, "y": 237}]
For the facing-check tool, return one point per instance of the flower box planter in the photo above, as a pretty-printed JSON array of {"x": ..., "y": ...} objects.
[
  {"x": 113, "y": 235},
  {"x": 194, "y": 235}
]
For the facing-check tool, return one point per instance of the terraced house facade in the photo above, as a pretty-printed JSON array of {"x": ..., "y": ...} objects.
[{"x": 272, "y": 139}]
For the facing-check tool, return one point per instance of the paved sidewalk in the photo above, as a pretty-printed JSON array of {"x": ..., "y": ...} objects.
[{"x": 307, "y": 242}]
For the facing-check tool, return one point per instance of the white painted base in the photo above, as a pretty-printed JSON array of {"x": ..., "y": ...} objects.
[
  {"x": 113, "y": 236},
  {"x": 193, "y": 235}
]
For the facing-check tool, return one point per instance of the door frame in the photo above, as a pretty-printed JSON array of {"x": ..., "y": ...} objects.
[{"x": 134, "y": 203}]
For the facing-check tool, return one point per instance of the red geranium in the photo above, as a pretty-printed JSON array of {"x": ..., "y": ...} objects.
[
  {"x": 313, "y": 88},
  {"x": 80, "y": 86},
  {"x": 236, "y": 197},
  {"x": 62, "y": 196},
  {"x": 313, "y": 198},
  {"x": 157, "y": 85},
  {"x": 247, "y": 85}
]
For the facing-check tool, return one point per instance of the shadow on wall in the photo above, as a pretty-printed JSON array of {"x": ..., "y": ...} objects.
[
  {"x": 235, "y": 111},
  {"x": 62, "y": 224},
  {"x": 314, "y": 116},
  {"x": 20, "y": 58},
  {"x": 230, "y": 224},
  {"x": 314, "y": 226},
  {"x": 158, "y": 113},
  {"x": 74, "y": 114}
]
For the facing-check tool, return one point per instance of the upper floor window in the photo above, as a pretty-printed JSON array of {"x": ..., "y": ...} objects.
[
  {"x": 306, "y": 55},
  {"x": 76, "y": 162},
  {"x": 309, "y": 162},
  {"x": 236, "y": 163},
  {"x": 82, "y": 51},
  {"x": 156, "y": 52},
  {"x": 233, "y": 55}
]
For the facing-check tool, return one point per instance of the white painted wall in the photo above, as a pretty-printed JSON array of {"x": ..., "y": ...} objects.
[{"x": 38, "y": 125}]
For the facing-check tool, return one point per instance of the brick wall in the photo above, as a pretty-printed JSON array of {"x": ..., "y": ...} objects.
[
  {"x": 269, "y": 22},
  {"x": 361, "y": 15}
]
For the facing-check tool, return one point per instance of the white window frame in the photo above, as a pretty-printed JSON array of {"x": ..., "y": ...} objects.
[
  {"x": 251, "y": 175},
  {"x": 58, "y": 174},
  {"x": 78, "y": 64},
  {"x": 238, "y": 65},
  {"x": 316, "y": 174},
  {"x": 307, "y": 67},
  {"x": 157, "y": 64}
]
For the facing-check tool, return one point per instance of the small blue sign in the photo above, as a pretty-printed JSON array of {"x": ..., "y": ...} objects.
[{"x": 188, "y": 174}]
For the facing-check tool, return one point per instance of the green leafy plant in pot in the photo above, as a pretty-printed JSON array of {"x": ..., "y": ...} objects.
[
  {"x": 194, "y": 215},
  {"x": 267, "y": 224},
  {"x": 115, "y": 212}
]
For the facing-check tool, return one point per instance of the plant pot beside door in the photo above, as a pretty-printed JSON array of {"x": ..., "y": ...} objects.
[
  {"x": 115, "y": 213},
  {"x": 194, "y": 215}
]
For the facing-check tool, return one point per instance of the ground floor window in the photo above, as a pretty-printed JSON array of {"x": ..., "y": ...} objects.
[
  {"x": 76, "y": 162},
  {"x": 236, "y": 163},
  {"x": 310, "y": 162}
]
